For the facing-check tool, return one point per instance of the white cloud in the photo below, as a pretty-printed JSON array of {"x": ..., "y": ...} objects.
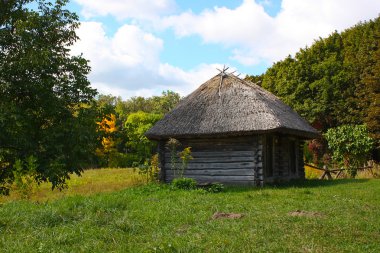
[
  {"x": 127, "y": 64},
  {"x": 223, "y": 25},
  {"x": 189, "y": 80},
  {"x": 254, "y": 36},
  {"x": 124, "y": 9}
]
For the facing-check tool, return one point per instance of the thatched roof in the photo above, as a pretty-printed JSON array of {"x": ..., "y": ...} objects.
[{"x": 236, "y": 107}]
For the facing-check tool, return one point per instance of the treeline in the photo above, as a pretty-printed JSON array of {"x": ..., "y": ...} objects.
[
  {"x": 334, "y": 82},
  {"x": 122, "y": 124}
]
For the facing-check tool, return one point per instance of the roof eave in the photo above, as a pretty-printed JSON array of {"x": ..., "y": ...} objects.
[{"x": 294, "y": 132}]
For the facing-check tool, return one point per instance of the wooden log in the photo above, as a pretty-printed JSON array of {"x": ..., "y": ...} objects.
[
  {"x": 234, "y": 165},
  {"x": 217, "y": 154},
  {"x": 236, "y": 182},
  {"x": 222, "y": 159},
  {"x": 217, "y": 172},
  {"x": 204, "y": 178}
]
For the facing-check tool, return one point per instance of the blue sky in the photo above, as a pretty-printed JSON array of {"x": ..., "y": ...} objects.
[{"x": 142, "y": 47}]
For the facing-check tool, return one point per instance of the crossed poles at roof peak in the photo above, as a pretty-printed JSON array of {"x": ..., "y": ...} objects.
[{"x": 223, "y": 73}]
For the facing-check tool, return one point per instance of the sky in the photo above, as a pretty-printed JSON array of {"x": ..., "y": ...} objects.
[{"x": 145, "y": 47}]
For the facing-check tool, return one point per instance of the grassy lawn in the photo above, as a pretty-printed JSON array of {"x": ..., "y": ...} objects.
[
  {"x": 91, "y": 182},
  {"x": 314, "y": 216}
]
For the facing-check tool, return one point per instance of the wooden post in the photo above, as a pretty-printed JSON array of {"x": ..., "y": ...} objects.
[
  {"x": 326, "y": 173},
  {"x": 340, "y": 172}
]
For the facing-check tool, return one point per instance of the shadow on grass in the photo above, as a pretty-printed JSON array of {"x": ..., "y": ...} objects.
[
  {"x": 298, "y": 183},
  {"x": 310, "y": 183}
]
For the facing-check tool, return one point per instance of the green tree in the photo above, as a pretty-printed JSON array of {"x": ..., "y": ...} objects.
[
  {"x": 136, "y": 125},
  {"x": 46, "y": 109},
  {"x": 335, "y": 81},
  {"x": 156, "y": 104},
  {"x": 257, "y": 79},
  {"x": 166, "y": 102}
]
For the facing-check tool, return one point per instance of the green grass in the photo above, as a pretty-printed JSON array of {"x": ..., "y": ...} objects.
[
  {"x": 90, "y": 182},
  {"x": 157, "y": 219}
]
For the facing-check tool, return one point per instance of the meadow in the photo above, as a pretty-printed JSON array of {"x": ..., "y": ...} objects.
[
  {"x": 300, "y": 216},
  {"x": 90, "y": 182}
]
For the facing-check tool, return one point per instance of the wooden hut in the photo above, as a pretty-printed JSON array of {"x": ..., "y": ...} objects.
[{"x": 239, "y": 134}]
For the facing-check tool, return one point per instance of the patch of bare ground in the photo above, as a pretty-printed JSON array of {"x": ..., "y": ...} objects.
[
  {"x": 219, "y": 215},
  {"x": 302, "y": 213}
]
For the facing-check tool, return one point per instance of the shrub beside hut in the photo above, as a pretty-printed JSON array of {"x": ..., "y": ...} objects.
[{"x": 239, "y": 134}]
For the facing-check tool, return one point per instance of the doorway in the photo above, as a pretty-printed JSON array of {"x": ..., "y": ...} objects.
[{"x": 269, "y": 156}]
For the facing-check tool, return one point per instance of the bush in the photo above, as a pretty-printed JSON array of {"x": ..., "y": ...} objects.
[
  {"x": 150, "y": 169},
  {"x": 350, "y": 146},
  {"x": 120, "y": 160},
  {"x": 184, "y": 183},
  {"x": 24, "y": 177},
  {"x": 215, "y": 188}
]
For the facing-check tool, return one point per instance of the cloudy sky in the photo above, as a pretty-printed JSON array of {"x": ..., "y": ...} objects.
[{"x": 142, "y": 47}]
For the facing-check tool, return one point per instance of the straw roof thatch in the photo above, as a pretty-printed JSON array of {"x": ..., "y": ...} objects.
[{"x": 236, "y": 107}]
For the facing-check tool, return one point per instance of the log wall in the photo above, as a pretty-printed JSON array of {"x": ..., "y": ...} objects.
[{"x": 235, "y": 160}]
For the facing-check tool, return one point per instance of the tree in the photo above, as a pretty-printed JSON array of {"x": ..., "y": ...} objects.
[
  {"x": 107, "y": 128},
  {"x": 136, "y": 126},
  {"x": 156, "y": 104},
  {"x": 46, "y": 109},
  {"x": 257, "y": 79},
  {"x": 166, "y": 102},
  {"x": 335, "y": 81}
]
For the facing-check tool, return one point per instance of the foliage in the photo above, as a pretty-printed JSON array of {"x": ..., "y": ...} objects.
[
  {"x": 334, "y": 81},
  {"x": 150, "y": 169},
  {"x": 350, "y": 145},
  {"x": 45, "y": 96},
  {"x": 172, "y": 145},
  {"x": 24, "y": 177},
  {"x": 135, "y": 126},
  {"x": 155, "y": 104},
  {"x": 184, "y": 183},
  {"x": 215, "y": 188},
  {"x": 107, "y": 129},
  {"x": 257, "y": 79},
  {"x": 121, "y": 160},
  {"x": 317, "y": 148},
  {"x": 131, "y": 118},
  {"x": 175, "y": 157},
  {"x": 185, "y": 156}
]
